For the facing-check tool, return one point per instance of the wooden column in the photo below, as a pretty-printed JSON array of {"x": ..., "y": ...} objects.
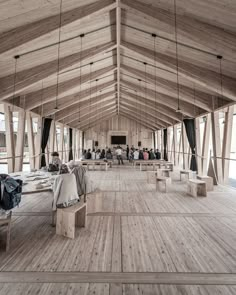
[
  {"x": 175, "y": 143},
  {"x": 205, "y": 144},
  {"x": 20, "y": 142},
  {"x": 10, "y": 144},
  {"x": 217, "y": 146},
  {"x": 198, "y": 146},
  {"x": 226, "y": 147},
  {"x": 30, "y": 135},
  {"x": 61, "y": 145}
]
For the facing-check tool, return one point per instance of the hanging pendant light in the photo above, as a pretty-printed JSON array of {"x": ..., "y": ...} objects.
[
  {"x": 90, "y": 93},
  {"x": 220, "y": 57},
  {"x": 155, "y": 64},
  {"x": 178, "y": 110},
  {"x": 16, "y": 57},
  {"x": 58, "y": 58},
  {"x": 145, "y": 67},
  {"x": 80, "y": 74}
]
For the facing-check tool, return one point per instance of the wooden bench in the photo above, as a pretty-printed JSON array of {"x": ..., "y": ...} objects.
[
  {"x": 170, "y": 166},
  {"x": 151, "y": 177},
  {"x": 163, "y": 172},
  {"x": 188, "y": 173},
  {"x": 208, "y": 180},
  {"x": 92, "y": 163},
  {"x": 162, "y": 180},
  {"x": 7, "y": 222},
  {"x": 69, "y": 218},
  {"x": 197, "y": 188}
]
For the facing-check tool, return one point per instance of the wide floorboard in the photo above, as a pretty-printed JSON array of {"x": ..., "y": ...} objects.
[{"x": 137, "y": 241}]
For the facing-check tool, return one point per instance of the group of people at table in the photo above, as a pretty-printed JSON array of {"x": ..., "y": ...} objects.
[{"x": 131, "y": 154}]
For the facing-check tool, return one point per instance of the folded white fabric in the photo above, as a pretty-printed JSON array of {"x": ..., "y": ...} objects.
[{"x": 65, "y": 190}]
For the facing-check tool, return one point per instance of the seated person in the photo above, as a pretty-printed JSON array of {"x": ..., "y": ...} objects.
[
  {"x": 84, "y": 154},
  {"x": 88, "y": 155},
  {"x": 151, "y": 155},
  {"x": 109, "y": 155},
  {"x": 158, "y": 154},
  {"x": 103, "y": 154},
  {"x": 55, "y": 163},
  {"x": 145, "y": 155},
  {"x": 98, "y": 154},
  {"x": 136, "y": 154},
  {"x": 140, "y": 155},
  {"x": 93, "y": 155}
]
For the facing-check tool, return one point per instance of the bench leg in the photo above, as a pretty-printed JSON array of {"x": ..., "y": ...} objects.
[
  {"x": 81, "y": 217},
  {"x": 65, "y": 224}
]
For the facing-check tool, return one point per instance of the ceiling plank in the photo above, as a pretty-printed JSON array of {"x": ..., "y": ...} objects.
[
  {"x": 145, "y": 109},
  {"x": 167, "y": 112},
  {"x": 202, "y": 76},
  {"x": 131, "y": 117},
  {"x": 99, "y": 121},
  {"x": 23, "y": 34},
  {"x": 48, "y": 94},
  {"x": 142, "y": 116},
  {"x": 191, "y": 31},
  {"x": 165, "y": 100},
  {"x": 30, "y": 76},
  {"x": 163, "y": 86}
]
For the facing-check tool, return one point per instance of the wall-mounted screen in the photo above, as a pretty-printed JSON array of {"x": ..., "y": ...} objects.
[{"x": 118, "y": 139}]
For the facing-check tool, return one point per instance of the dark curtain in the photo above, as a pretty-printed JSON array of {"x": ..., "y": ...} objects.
[
  {"x": 45, "y": 135},
  {"x": 165, "y": 145},
  {"x": 190, "y": 131},
  {"x": 70, "y": 144}
]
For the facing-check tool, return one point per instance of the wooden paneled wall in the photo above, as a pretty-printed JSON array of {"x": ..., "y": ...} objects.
[{"x": 119, "y": 126}]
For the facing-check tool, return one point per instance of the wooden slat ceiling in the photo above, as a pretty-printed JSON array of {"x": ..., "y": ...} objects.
[{"x": 104, "y": 73}]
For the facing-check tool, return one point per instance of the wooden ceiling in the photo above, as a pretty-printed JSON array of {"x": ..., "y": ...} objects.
[{"x": 124, "y": 64}]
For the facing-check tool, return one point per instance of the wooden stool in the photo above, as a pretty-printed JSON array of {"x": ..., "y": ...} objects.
[
  {"x": 163, "y": 172},
  {"x": 170, "y": 166},
  {"x": 69, "y": 218},
  {"x": 186, "y": 172},
  {"x": 7, "y": 222},
  {"x": 151, "y": 177},
  {"x": 162, "y": 179},
  {"x": 197, "y": 188},
  {"x": 208, "y": 180}
]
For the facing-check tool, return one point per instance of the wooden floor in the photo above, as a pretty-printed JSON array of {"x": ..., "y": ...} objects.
[{"x": 137, "y": 241}]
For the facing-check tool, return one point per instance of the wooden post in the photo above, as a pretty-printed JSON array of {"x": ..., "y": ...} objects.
[
  {"x": 30, "y": 134},
  {"x": 10, "y": 144},
  {"x": 198, "y": 146},
  {"x": 175, "y": 145},
  {"x": 226, "y": 147},
  {"x": 205, "y": 144},
  {"x": 61, "y": 145},
  {"x": 217, "y": 146},
  {"x": 20, "y": 142}
]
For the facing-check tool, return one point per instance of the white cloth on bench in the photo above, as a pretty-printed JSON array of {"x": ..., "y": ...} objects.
[{"x": 65, "y": 190}]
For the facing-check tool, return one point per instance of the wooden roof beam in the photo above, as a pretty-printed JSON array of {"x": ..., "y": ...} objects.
[
  {"x": 201, "y": 76},
  {"x": 35, "y": 99},
  {"x": 163, "y": 86},
  {"x": 192, "y": 32},
  {"x": 167, "y": 112},
  {"x": 162, "y": 99},
  {"x": 26, "y": 78},
  {"x": 145, "y": 108},
  {"x": 98, "y": 121},
  {"x": 26, "y": 33},
  {"x": 129, "y": 116},
  {"x": 142, "y": 116},
  {"x": 74, "y": 99}
]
